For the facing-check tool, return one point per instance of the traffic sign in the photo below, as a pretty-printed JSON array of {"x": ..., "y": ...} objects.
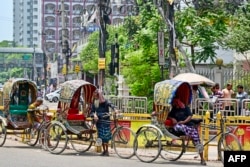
[
  {"x": 101, "y": 63},
  {"x": 161, "y": 50},
  {"x": 64, "y": 69},
  {"x": 77, "y": 68},
  {"x": 26, "y": 57}
]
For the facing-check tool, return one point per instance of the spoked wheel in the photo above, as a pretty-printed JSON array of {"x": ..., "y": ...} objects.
[
  {"x": 123, "y": 142},
  {"x": 82, "y": 142},
  {"x": 172, "y": 149},
  {"x": 147, "y": 145},
  {"x": 56, "y": 139},
  {"x": 3, "y": 133},
  {"x": 32, "y": 136},
  {"x": 228, "y": 142}
]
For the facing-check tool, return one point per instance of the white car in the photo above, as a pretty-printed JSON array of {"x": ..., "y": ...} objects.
[{"x": 53, "y": 96}]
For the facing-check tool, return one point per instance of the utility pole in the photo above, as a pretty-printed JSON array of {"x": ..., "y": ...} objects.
[
  {"x": 65, "y": 43},
  {"x": 102, "y": 41}
]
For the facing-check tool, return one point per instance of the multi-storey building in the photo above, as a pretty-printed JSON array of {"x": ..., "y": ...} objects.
[{"x": 27, "y": 23}]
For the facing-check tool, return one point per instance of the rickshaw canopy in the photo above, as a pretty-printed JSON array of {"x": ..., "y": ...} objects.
[
  {"x": 11, "y": 85},
  {"x": 165, "y": 91},
  {"x": 70, "y": 88}
]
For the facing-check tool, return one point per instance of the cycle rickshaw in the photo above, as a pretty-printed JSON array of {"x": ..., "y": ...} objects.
[
  {"x": 17, "y": 95},
  {"x": 71, "y": 121},
  {"x": 72, "y": 125},
  {"x": 159, "y": 137}
]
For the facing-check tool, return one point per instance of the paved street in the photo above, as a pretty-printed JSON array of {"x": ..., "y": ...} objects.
[{"x": 15, "y": 153}]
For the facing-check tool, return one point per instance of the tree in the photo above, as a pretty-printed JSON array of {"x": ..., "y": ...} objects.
[
  {"x": 238, "y": 37},
  {"x": 200, "y": 30}
]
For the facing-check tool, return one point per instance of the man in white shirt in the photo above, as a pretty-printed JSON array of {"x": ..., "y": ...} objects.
[{"x": 227, "y": 94}]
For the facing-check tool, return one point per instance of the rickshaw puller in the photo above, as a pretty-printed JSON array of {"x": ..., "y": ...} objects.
[
  {"x": 100, "y": 113},
  {"x": 181, "y": 118}
]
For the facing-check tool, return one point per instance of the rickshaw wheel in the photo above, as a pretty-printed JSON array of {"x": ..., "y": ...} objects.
[
  {"x": 172, "y": 149},
  {"x": 147, "y": 145},
  {"x": 83, "y": 143},
  {"x": 32, "y": 136},
  {"x": 123, "y": 142},
  {"x": 228, "y": 142},
  {"x": 56, "y": 138},
  {"x": 3, "y": 133}
]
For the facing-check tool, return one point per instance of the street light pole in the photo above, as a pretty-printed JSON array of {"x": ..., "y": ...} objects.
[
  {"x": 34, "y": 63},
  {"x": 65, "y": 44}
]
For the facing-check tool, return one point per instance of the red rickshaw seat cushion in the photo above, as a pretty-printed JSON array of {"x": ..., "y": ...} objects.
[
  {"x": 169, "y": 122},
  {"x": 73, "y": 114},
  {"x": 77, "y": 117}
]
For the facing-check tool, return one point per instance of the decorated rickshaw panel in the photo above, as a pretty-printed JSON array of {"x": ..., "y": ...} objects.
[
  {"x": 26, "y": 93},
  {"x": 166, "y": 90}
]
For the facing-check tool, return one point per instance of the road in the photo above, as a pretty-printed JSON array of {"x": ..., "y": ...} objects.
[
  {"x": 52, "y": 106},
  {"x": 15, "y": 153}
]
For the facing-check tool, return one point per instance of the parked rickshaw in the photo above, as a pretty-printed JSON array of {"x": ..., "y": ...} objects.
[
  {"x": 17, "y": 95},
  {"x": 71, "y": 124},
  {"x": 159, "y": 137}
]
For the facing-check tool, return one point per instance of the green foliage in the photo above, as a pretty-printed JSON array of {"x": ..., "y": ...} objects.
[
  {"x": 201, "y": 29},
  {"x": 238, "y": 37}
]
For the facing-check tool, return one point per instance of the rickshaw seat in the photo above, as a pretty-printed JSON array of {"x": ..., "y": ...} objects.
[
  {"x": 73, "y": 114},
  {"x": 18, "y": 109}
]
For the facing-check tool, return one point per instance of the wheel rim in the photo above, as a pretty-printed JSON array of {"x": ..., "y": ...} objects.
[
  {"x": 2, "y": 134},
  {"x": 123, "y": 142},
  {"x": 147, "y": 145},
  {"x": 57, "y": 139}
]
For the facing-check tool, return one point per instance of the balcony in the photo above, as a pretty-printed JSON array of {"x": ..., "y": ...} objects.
[
  {"x": 49, "y": 11},
  {"x": 50, "y": 24},
  {"x": 50, "y": 37}
]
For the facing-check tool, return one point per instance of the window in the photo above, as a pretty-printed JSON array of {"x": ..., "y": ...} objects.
[
  {"x": 35, "y": 2},
  {"x": 28, "y": 17},
  {"x": 28, "y": 32},
  {"x": 35, "y": 39},
  {"x": 28, "y": 10},
  {"x": 35, "y": 24},
  {"x": 35, "y": 17},
  {"x": 35, "y": 31},
  {"x": 35, "y": 9}
]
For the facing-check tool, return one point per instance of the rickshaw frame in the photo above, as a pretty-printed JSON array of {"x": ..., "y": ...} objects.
[
  {"x": 71, "y": 124},
  {"x": 18, "y": 94},
  {"x": 157, "y": 135}
]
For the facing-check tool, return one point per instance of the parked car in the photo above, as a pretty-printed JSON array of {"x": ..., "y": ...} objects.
[{"x": 53, "y": 96}]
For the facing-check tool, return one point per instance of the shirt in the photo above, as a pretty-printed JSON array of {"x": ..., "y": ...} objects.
[
  {"x": 241, "y": 96},
  {"x": 181, "y": 114}
]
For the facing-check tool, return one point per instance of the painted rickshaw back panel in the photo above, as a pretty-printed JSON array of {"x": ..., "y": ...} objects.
[
  {"x": 164, "y": 93},
  {"x": 18, "y": 94}
]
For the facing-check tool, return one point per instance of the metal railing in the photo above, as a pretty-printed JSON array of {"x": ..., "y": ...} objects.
[{"x": 130, "y": 104}]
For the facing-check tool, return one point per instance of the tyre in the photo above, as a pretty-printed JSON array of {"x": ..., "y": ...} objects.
[
  {"x": 82, "y": 143},
  {"x": 122, "y": 141},
  {"x": 32, "y": 136},
  {"x": 172, "y": 149},
  {"x": 228, "y": 142},
  {"x": 57, "y": 138},
  {"x": 3, "y": 133},
  {"x": 55, "y": 99},
  {"x": 147, "y": 145}
]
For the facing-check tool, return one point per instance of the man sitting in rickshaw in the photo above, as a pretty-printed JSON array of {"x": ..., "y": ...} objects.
[
  {"x": 33, "y": 113},
  {"x": 181, "y": 117}
]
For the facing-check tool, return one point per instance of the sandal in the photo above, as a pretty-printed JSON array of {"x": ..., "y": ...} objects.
[{"x": 203, "y": 162}]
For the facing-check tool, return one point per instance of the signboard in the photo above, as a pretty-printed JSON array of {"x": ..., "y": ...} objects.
[
  {"x": 161, "y": 51},
  {"x": 101, "y": 63}
]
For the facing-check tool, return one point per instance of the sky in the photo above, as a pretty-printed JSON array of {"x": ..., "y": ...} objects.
[{"x": 6, "y": 22}]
